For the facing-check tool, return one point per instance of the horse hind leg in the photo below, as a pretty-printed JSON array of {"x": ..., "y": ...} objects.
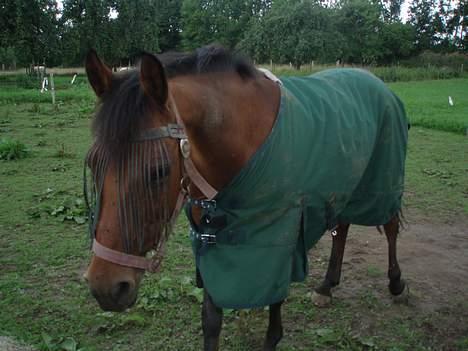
[
  {"x": 275, "y": 328},
  {"x": 322, "y": 295},
  {"x": 396, "y": 284}
]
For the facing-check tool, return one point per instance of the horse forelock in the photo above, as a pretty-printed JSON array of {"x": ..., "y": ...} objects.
[
  {"x": 141, "y": 191},
  {"x": 121, "y": 112}
]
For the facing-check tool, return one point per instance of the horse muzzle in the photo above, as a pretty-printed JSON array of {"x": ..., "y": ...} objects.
[{"x": 114, "y": 291}]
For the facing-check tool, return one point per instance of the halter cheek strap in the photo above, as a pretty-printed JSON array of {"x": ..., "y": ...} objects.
[
  {"x": 192, "y": 172},
  {"x": 175, "y": 131}
]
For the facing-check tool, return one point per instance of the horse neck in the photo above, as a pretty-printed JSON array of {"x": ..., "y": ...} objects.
[{"x": 226, "y": 120}]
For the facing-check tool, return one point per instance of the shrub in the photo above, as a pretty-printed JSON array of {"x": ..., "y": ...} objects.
[
  {"x": 386, "y": 73},
  {"x": 27, "y": 82},
  {"x": 12, "y": 150},
  {"x": 433, "y": 59},
  {"x": 405, "y": 74}
]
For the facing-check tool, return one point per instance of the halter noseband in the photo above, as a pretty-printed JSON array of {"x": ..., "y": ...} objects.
[{"x": 190, "y": 174}]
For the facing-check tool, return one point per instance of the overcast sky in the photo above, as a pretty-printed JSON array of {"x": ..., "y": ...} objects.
[{"x": 404, "y": 10}]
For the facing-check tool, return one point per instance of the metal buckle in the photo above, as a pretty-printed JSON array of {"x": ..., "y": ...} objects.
[
  {"x": 184, "y": 148},
  {"x": 176, "y": 131},
  {"x": 206, "y": 239},
  {"x": 204, "y": 204},
  {"x": 209, "y": 239}
]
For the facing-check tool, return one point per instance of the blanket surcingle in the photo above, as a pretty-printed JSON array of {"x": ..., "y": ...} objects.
[{"x": 336, "y": 153}]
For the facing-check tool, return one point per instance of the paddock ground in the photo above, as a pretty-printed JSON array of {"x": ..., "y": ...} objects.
[{"x": 44, "y": 251}]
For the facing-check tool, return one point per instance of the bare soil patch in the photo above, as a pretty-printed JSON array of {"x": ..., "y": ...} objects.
[{"x": 433, "y": 258}]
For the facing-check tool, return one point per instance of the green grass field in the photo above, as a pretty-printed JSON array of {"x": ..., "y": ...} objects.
[
  {"x": 427, "y": 103},
  {"x": 44, "y": 248}
]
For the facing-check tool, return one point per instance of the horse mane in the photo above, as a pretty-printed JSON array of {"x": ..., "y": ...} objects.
[
  {"x": 208, "y": 59},
  {"x": 123, "y": 110}
]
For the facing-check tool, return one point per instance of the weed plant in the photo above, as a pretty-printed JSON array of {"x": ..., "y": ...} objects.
[{"x": 12, "y": 150}]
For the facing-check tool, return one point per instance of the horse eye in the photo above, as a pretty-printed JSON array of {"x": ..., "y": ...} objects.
[{"x": 159, "y": 174}]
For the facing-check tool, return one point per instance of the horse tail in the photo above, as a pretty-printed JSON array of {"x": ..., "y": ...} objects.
[{"x": 402, "y": 222}]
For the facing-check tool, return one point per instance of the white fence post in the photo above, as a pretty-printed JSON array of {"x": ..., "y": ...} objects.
[{"x": 52, "y": 88}]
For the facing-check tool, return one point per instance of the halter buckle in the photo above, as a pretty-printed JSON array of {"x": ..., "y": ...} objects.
[
  {"x": 176, "y": 131},
  {"x": 184, "y": 148}
]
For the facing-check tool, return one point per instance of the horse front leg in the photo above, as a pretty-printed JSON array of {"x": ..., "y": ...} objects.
[
  {"x": 212, "y": 319},
  {"x": 322, "y": 295},
  {"x": 396, "y": 285},
  {"x": 275, "y": 328}
]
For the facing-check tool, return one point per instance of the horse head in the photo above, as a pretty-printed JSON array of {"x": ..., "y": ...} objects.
[{"x": 133, "y": 177}]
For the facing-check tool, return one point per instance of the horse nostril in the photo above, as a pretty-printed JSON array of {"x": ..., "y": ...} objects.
[{"x": 120, "y": 290}]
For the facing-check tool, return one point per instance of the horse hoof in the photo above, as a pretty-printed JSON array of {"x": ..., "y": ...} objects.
[
  {"x": 403, "y": 297},
  {"x": 397, "y": 286},
  {"x": 321, "y": 300}
]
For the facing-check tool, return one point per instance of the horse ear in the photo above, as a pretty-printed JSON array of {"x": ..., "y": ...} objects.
[
  {"x": 153, "y": 78},
  {"x": 99, "y": 75}
]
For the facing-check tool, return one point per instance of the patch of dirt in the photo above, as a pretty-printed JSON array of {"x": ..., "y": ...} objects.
[
  {"x": 8, "y": 344},
  {"x": 433, "y": 258}
]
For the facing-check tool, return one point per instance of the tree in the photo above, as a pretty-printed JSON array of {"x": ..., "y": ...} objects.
[
  {"x": 396, "y": 42},
  {"x": 360, "y": 24},
  {"x": 457, "y": 26},
  {"x": 296, "y": 32},
  {"x": 86, "y": 25},
  {"x": 169, "y": 24},
  {"x": 31, "y": 29},
  {"x": 422, "y": 19},
  {"x": 137, "y": 27},
  {"x": 391, "y": 10},
  {"x": 222, "y": 21},
  {"x": 7, "y": 58}
]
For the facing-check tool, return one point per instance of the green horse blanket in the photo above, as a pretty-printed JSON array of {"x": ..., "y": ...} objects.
[{"x": 336, "y": 153}]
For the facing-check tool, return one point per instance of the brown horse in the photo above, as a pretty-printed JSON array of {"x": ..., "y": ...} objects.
[{"x": 179, "y": 127}]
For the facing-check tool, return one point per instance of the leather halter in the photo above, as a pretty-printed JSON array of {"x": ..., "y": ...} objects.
[{"x": 190, "y": 174}]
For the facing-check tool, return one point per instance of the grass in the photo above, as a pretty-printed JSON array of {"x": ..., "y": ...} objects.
[
  {"x": 15, "y": 89},
  {"x": 427, "y": 103},
  {"x": 12, "y": 150},
  {"x": 17, "y": 96},
  {"x": 44, "y": 250}
]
